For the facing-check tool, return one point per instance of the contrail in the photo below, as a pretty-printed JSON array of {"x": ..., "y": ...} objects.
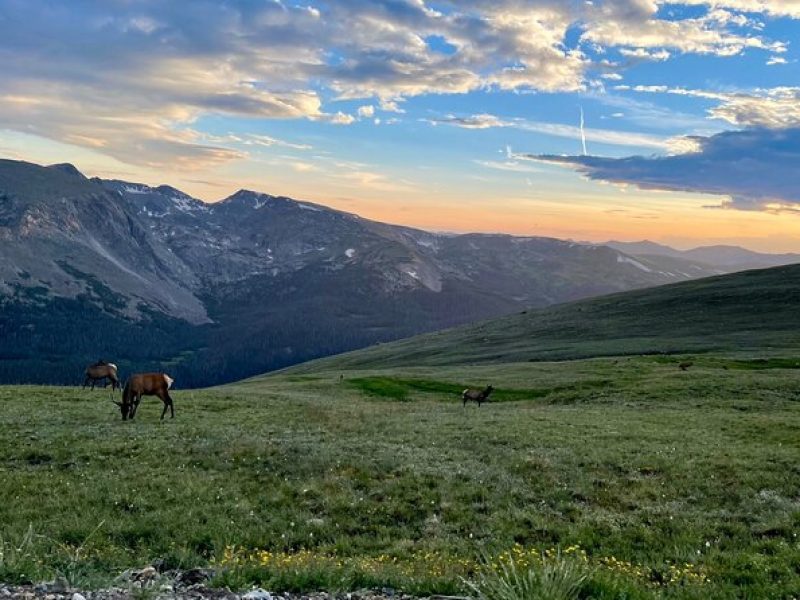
[{"x": 583, "y": 134}]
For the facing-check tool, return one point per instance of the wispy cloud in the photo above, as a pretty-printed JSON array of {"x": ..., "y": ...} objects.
[
  {"x": 266, "y": 140},
  {"x": 515, "y": 166},
  {"x": 770, "y": 107},
  {"x": 601, "y": 136}
]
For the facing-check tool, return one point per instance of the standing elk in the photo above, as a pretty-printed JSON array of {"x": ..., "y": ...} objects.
[
  {"x": 476, "y": 395},
  {"x": 99, "y": 371},
  {"x": 146, "y": 384}
]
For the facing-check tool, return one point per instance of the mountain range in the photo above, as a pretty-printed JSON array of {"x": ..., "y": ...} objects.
[
  {"x": 725, "y": 259},
  {"x": 151, "y": 277}
]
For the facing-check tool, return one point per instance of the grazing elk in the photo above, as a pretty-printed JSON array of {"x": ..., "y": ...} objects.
[
  {"x": 684, "y": 366},
  {"x": 99, "y": 371},
  {"x": 146, "y": 384},
  {"x": 476, "y": 395}
]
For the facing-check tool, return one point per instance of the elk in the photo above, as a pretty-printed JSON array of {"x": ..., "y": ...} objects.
[
  {"x": 146, "y": 384},
  {"x": 684, "y": 366},
  {"x": 476, "y": 395},
  {"x": 99, "y": 371}
]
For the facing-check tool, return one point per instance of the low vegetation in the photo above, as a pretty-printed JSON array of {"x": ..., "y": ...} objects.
[{"x": 613, "y": 478}]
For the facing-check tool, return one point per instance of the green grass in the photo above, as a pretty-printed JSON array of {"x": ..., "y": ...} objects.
[
  {"x": 303, "y": 481},
  {"x": 393, "y": 388}
]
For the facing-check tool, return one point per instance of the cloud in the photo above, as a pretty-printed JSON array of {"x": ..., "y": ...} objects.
[
  {"x": 774, "y": 8},
  {"x": 509, "y": 165},
  {"x": 635, "y": 25},
  {"x": 303, "y": 167},
  {"x": 650, "y": 115},
  {"x": 755, "y": 169},
  {"x": 266, "y": 140},
  {"x": 602, "y": 136},
  {"x": 391, "y": 105},
  {"x": 480, "y": 121},
  {"x": 771, "y": 107},
  {"x": 777, "y": 108},
  {"x": 337, "y": 118},
  {"x": 161, "y": 67},
  {"x": 641, "y": 53},
  {"x": 367, "y": 111}
]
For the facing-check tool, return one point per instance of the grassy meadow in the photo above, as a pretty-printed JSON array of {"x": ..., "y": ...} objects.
[{"x": 654, "y": 482}]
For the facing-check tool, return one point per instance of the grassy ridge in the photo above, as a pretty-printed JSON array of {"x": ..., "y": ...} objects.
[
  {"x": 753, "y": 312},
  {"x": 300, "y": 481}
]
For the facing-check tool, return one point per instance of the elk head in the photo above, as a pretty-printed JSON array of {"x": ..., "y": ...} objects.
[{"x": 124, "y": 408}]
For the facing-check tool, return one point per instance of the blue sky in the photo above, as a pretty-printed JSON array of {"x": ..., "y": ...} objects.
[{"x": 459, "y": 116}]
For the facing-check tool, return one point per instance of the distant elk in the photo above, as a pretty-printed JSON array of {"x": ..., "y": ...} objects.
[
  {"x": 474, "y": 395},
  {"x": 684, "y": 366},
  {"x": 146, "y": 384},
  {"x": 99, "y": 371}
]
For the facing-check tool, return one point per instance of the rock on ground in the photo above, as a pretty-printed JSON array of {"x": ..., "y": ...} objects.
[{"x": 185, "y": 585}]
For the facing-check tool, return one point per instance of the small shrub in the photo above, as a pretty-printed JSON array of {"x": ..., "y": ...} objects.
[{"x": 554, "y": 578}]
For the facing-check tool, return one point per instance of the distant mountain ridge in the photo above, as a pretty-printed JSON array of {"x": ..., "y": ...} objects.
[
  {"x": 727, "y": 259},
  {"x": 155, "y": 278}
]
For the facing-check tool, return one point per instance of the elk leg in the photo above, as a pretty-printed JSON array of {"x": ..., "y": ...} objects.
[
  {"x": 167, "y": 405},
  {"x": 163, "y": 396},
  {"x": 134, "y": 405}
]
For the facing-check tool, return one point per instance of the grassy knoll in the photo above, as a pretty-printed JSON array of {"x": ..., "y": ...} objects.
[{"x": 661, "y": 482}]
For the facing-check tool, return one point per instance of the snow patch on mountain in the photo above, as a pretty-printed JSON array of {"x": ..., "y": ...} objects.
[
  {"x": 628, "y": 260},
  {"x": 137, "y": 189},
  {"x": 188, "y": 204}
]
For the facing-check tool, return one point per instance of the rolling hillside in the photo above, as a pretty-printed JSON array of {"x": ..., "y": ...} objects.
[{"x": 753, "y": 311}]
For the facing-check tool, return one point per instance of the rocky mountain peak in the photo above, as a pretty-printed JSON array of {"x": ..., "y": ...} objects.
[
  {"x": 247, "y": 198},
  {"x": 67, "y": 168},
  {"x": 168, "y": 190}
]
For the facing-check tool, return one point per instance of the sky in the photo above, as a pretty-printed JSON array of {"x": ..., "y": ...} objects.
[{"x": 589, "y": 120}]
